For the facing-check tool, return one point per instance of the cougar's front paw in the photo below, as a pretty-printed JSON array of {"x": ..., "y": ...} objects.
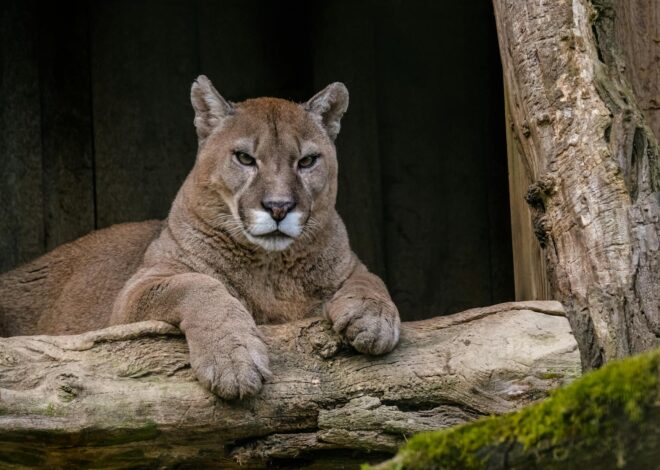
[
  {"x": 371, "y": 325},
  {"x": 233, "y": 366}
]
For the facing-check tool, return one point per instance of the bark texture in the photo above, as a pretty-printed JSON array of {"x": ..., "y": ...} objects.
[
  {"x": 608, "y": 419},
  {"x": 637, "y": 35},
  {"x": 595, "y": 169},
  {"x": 125, "y": 396}
]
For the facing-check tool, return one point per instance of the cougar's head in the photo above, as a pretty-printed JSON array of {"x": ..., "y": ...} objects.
[{"x": 271, "y": 162}]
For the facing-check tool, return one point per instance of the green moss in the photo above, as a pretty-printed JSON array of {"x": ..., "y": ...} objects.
[
  {"x": 551, "y": 375},
  {"x": 50, "y": 410},
  {"x": 597, "y": 411}
]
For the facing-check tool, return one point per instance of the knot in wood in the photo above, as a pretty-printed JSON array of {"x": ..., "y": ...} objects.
[
  {"x": 539, "y": 192},
  {"x": 69, "y": 386},
  {"x": 318, "y": 338},
  {"x": 524, "y": 128},
  {"x": 543, "y": 118},
  {"x": 542, "y": 227}
]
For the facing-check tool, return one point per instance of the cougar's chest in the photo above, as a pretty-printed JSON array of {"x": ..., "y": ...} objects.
[{"x": 276, "y": 296}]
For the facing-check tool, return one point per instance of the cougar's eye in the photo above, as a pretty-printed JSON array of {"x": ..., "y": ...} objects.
[
  {"x": 308, "y": 161},
  {"x": 244, "y": 159}
]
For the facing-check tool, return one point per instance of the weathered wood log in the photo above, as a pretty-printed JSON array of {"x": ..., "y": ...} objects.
[
  {"x": 125, "y": 396},
  {"x": 608, "y": 419},
  {"x": 595, "y": 169}
]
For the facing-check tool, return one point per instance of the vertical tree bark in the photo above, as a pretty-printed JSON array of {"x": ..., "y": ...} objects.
[
  {"x": 529, "y": 266},
  {"x": 637, "y": 35},
  {"x": 595, "y": 167}
]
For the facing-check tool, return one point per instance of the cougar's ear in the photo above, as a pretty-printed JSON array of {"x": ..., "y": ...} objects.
[
  {"x": 330, "y": 104},
  {"x": 210, "y": 107}
]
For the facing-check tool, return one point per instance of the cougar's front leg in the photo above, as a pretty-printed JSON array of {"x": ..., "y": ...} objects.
[
  {"x": 364, "y": 313},
  {"x": 227, "y": 352}
]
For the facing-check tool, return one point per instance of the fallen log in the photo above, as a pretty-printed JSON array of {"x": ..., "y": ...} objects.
[
  {"x": 125, "y": 396},
  {"x": 608, "y": 419}
]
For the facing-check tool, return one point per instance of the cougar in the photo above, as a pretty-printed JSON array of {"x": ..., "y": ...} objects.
[{"x": 252, "y": 237}]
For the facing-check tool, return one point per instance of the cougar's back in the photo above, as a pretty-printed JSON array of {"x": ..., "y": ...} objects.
[{"x": 72, "y": 288}]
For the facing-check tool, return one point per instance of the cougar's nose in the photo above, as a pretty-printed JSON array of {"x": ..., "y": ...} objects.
[{"x": 278, "y": 208}]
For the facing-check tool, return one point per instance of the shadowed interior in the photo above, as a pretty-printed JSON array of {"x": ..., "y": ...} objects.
[{"x": 96, "y": 124}]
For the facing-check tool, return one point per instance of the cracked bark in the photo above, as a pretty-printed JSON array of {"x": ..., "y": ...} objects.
[
  {"x": 125, "y": 396},
  {"x": 593, "y": 161}
]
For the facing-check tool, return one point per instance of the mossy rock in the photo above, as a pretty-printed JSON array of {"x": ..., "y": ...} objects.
[{"x": 609, "y": 418}]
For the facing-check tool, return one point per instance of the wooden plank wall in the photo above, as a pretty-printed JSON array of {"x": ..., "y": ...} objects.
[
  {"x": 439, "y": 149},
  {"x": 21, "y": 192},
  {"x": 66, "y": 123},
  {"x": 97, "y": 125},
  {"x": 143, "y": 144},
  {"x": 344, "y": 25}
]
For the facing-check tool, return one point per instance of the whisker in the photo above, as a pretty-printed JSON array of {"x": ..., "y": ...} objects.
[{"x": 309, "y": 231}]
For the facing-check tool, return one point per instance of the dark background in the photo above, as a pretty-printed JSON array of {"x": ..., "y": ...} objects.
[{"x": 96, "y": 124}]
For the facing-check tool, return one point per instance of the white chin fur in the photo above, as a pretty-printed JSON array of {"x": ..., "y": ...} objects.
[
  {"x": 263, "y": 224},
  {"x": 272, "y": 243},
  {"x": 290, "y": 225}
]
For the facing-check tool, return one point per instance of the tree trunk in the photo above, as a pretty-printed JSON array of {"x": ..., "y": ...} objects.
[
  {"x": 583, "y": 141},
  {"x": 125, "y": 396}
]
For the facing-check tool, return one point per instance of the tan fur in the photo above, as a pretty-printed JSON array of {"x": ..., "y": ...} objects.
[{"x": 211, "y": 268}]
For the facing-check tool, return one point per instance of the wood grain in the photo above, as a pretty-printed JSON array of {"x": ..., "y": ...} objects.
[
  {"x": 66, "y": 119},
  {"x": 438, "y": 153},
  {"x": 637, "y": 36},
  {"x": 144, "y": 140},
  {"x": 21, "y": 193},
  {"x": 529, "y": 267},
  {"x": 345, "y": 44},
  {"x": 125, "y": 395}
]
